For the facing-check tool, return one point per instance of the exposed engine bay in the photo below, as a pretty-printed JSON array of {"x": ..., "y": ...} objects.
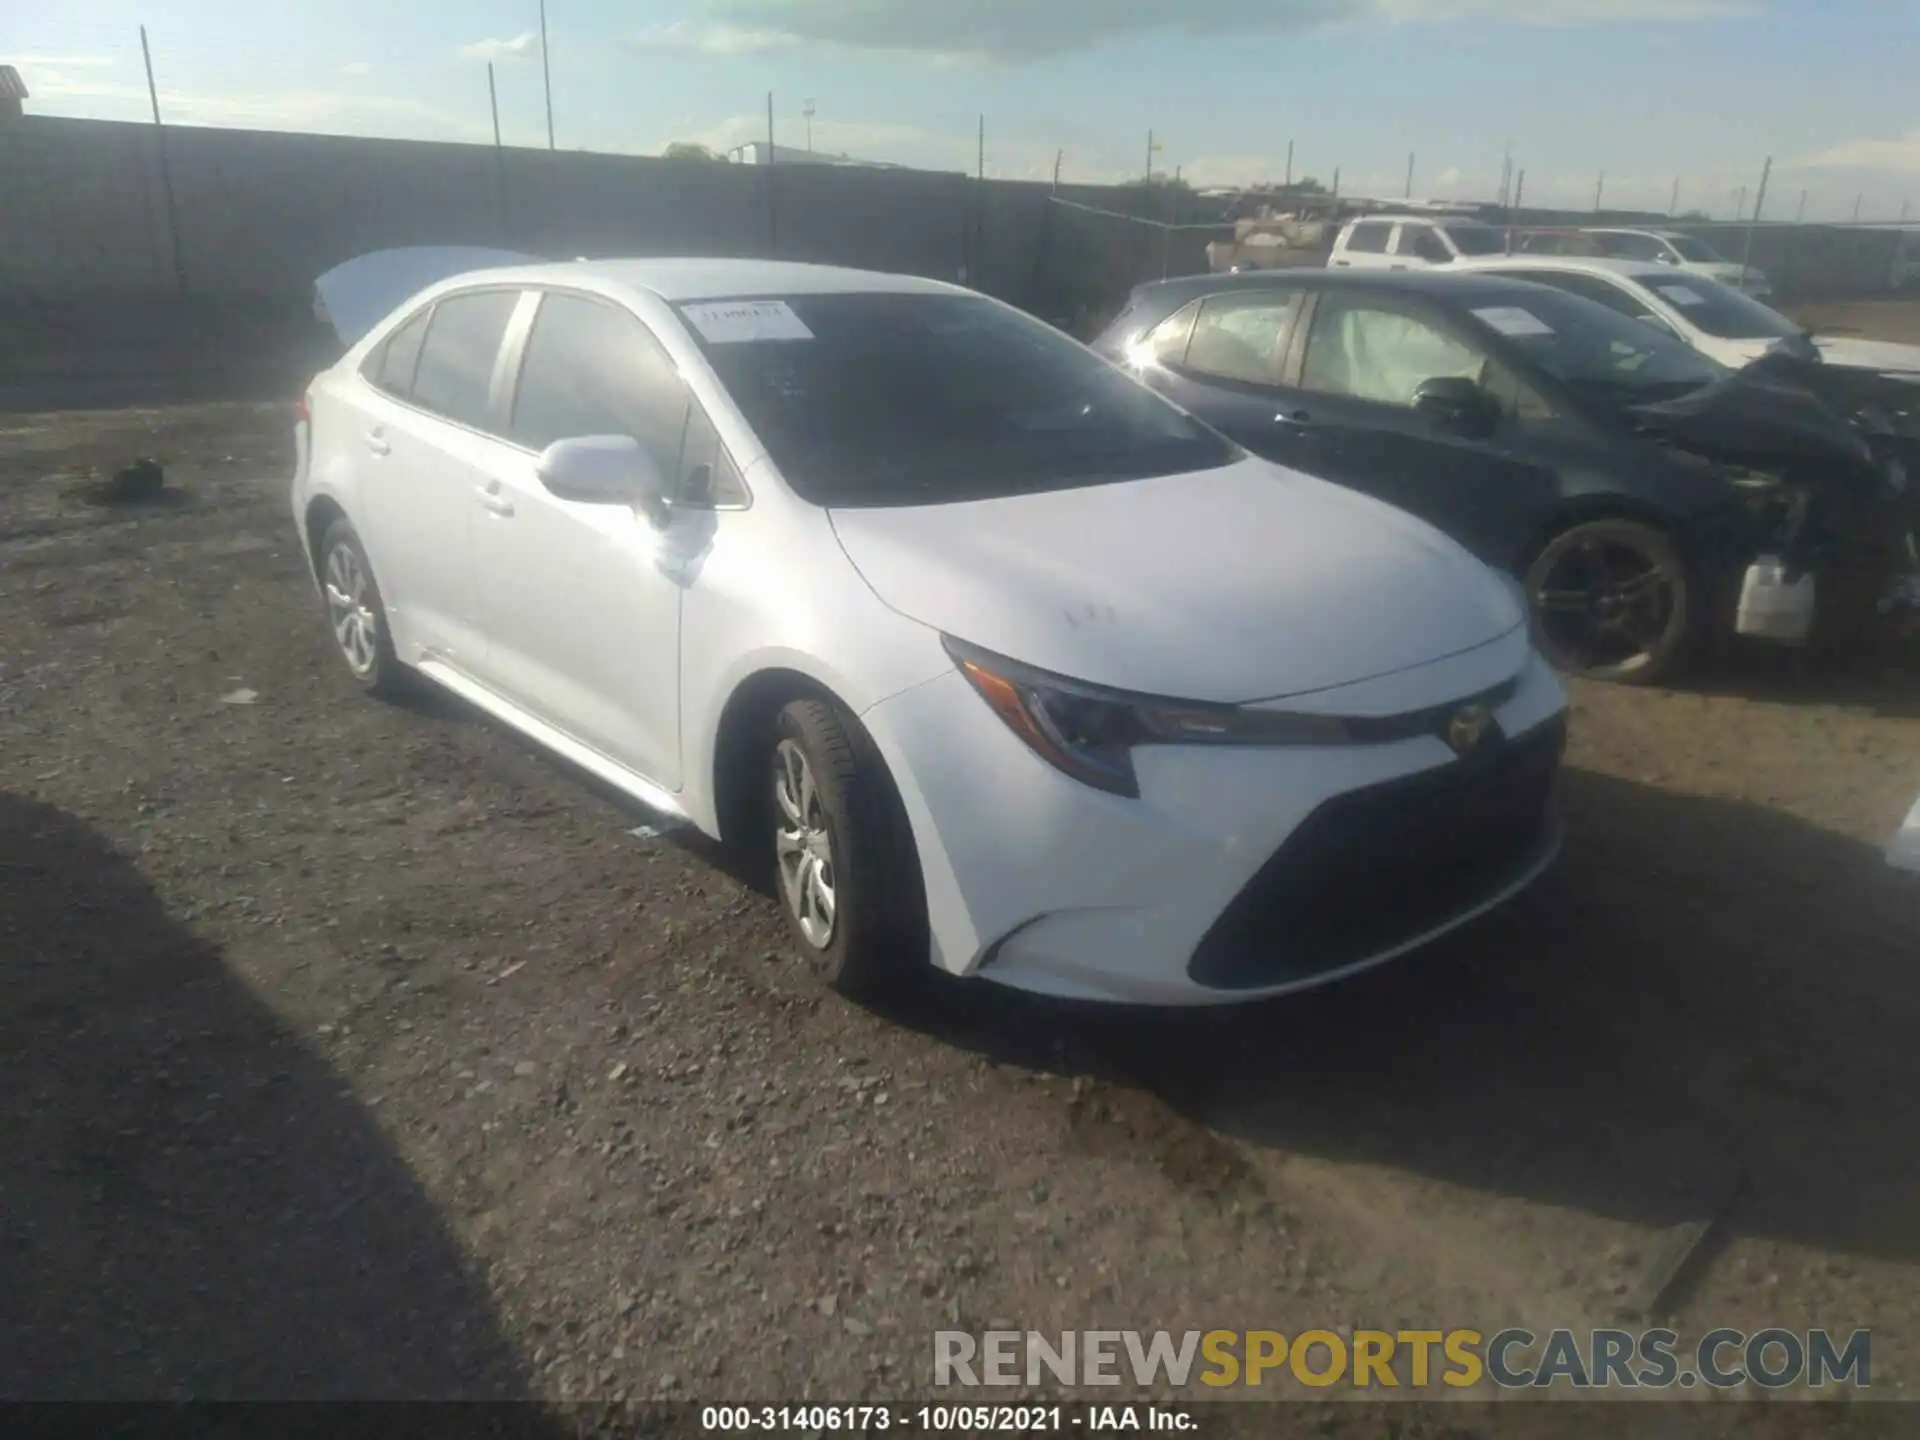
[{"x": 1825, "y": 477}]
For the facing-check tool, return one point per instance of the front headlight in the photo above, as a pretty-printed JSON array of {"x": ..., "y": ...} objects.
[{"x": 1091, "y": 733}]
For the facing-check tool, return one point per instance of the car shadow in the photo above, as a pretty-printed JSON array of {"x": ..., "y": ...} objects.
[
  {"x": 1703, "y": 993},
  {"x": 192, "y": 1203}
]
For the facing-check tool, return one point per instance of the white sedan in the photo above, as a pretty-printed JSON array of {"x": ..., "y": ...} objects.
[
  {"x": 1714, "y": 318},
  {"x": 997, "y": 660}
]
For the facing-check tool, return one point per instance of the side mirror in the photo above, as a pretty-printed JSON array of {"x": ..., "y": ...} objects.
[
  {"x": 1455, "y": 404},
  {"x": 604, "y": 470}
]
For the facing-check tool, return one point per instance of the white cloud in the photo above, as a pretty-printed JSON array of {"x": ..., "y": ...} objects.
[
  {"x": 356, "y": 68},
  {"x": 525, "y": 46},
  {"x": 1017, "y": 30},
  {"x": 27, "y": 64},
  {"x": 323, "y": 112},
  {"x": 1897, "y": 155},
  {"x": 1562, "y": 12},
  {"x": 693, "y": 37}
]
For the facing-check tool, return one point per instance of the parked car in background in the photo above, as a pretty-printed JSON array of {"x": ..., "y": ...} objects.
[
  {"x": 1638, "y": 487},
  {"x": 1686, "y": 253},
  {"x": 1411, "y": 242},
  {"x": 1734, "y": 328},
  {"x": 1712, "y": 317},
  {"x": 994, "y": 660}
]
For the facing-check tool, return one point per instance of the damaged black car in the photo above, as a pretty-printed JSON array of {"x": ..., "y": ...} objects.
[{"x": 1652, "y": 501}]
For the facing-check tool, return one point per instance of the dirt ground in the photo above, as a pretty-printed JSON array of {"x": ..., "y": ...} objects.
[{"x": 357, "y": 1050}]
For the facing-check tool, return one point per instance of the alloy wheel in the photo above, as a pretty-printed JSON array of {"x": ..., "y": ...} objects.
[
  {"x": 803, "y": 845},
  {"x": 1606, "y": 604},
  {"x": 355, "y": 627}
]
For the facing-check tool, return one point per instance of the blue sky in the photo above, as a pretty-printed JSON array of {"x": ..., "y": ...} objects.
[{"x": 1648, "y": 91}]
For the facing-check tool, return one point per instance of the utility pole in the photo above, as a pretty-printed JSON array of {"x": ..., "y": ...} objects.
[
  {"x": 807, "y": 112},
  {"x": 1903, "y": 212},
  {"x": 1800, "y": 216},
  {"x": 499, "y": 155},
  {"x": 546, "y": 72},
  {"x": 773, "y": 193},
  {"x": 166, "y": 168},
  {"x": 1519, "y": 188},
  {"x": 1336, "y": 182},
  {"x": 1409, "y": 175},
  {"x": 1759, "y": 200},
  {"x": 1673, "y": 203},
  {"x": 1599, "y": 188},
  {"x": 1058, "y": 157},
  {"x": 1856, "y": 208},
  {"x": 1289, "y": 181}
]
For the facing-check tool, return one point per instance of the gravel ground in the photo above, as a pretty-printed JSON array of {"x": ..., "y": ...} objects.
[{"x": 357, "y": 1050}]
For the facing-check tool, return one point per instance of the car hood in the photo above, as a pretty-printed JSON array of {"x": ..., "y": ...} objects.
[
  {"x": 1882, "y": 355},
  {"x": 1775, "y": 411},
  {"x": 358, "y": 294},
  {"x": 1245, "y": 583}
]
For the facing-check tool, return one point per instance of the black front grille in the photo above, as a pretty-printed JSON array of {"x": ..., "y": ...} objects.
[{"x": 1375, "y": 868}]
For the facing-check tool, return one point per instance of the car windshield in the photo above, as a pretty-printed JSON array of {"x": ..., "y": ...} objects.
[
  {"x": 1476, "y": 239},
  {"x": 1597, "y": 353},
  {"x": 1696, "y": 251},
  {"x": 1721, "y": 310},
  {"x": 897, "y": 399}
]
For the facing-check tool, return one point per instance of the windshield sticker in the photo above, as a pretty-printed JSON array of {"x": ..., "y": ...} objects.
[
  {"x": 1512, "y": 320},
  {"x": 1681, "y": 294},
  {"x": 743, "y": 322}
]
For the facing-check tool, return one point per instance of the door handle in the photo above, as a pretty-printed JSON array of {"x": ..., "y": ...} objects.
[
  {"x": 496, "y": 503},
  {"x": 377, "y": 443},
  {"x": 1343, "y": 264}
]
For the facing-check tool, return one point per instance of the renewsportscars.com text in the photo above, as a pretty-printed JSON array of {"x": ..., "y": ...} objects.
[{"x": 1510, "y": 1359}]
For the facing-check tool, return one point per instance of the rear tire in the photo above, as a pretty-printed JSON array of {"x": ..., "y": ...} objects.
[
  {"x": 356, "y": 613},
  {"x": 844, "y": 865},
  {"x": 1612, "y": 600}
]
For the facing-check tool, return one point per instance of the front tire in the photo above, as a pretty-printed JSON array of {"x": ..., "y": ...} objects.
[
  {"x": 356, "y": 614},
  {"x": 843, "y": 855},
  {"x": 1612, "y": 600}
]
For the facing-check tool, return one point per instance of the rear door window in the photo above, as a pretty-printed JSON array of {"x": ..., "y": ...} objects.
[
  {"x": 454, "y": 377},
  {"x": 1167, "y": 341},
  {"x": 391, "y": 366},
  {"x": 1243, "y": 337},
  {"x": 1369, "y": 237}
]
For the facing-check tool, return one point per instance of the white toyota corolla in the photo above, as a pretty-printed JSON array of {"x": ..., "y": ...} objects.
[{"x": 999, "y": 661}]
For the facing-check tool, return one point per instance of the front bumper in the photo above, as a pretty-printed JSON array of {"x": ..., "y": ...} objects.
[{"x": 1240, "y": 873}]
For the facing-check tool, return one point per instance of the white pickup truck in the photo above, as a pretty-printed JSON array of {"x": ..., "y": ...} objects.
[{"x": 1412, "y": 242}]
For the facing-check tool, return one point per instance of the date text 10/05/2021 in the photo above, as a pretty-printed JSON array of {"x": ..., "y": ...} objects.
[{"x": 945, "y": 1419}]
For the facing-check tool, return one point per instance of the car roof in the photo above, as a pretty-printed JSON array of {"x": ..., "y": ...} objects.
[
  {"x": 680, "y": 280},
  {"x": 1412, "y": 219},
  {"x": 1633, "y": 230},
  {"x": 1592, "y": 264},
  {"x": 1485, "y": 286}
]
